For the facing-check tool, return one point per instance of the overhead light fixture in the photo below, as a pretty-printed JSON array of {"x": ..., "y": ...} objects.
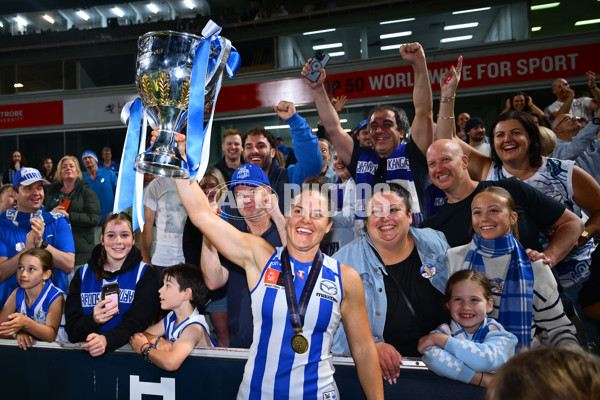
[
  {"x": 343, "y": 121},
  {"x": 587, "y": 22},
  {"x": 456, "y": 38},
  {"x": 393, "y": 35},
  {"x": 544, "y": 6},
  {"x": 471, "y": 10},
  {"x": 461, "y": 26},
  {"x": 152, "y": 7},
  {"x": 399, "y": 20},
  {"x": 18, "y": 85},
  {"x": 189, "y": 4},
  {"x": 327, "y": 46},
  {"x": 83, "y": 15},
  {"x": 321, "y": 31},
  {"x": 337, "y": 53},
  {"x": 48, "y": 18},
  {"x": 277, "y": 127},
  {"x": 536, "y": 28},
  {"x": 118, "y": 12},
  {"x": 21, "y": 21},
  {"x": 1, "y": 24},
  {"x": 390, "y": 47}
]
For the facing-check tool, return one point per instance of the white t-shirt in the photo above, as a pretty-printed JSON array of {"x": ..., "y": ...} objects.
[
  {"x": 579, "y": 108},
  {"x": 161, "y": 197}
]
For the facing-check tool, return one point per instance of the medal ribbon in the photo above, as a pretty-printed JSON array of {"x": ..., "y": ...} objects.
[{"x": 297, "y": 310}]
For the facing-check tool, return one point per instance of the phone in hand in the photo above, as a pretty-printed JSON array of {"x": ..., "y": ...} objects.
[
  {"x": 64, "y": 203},
  {"x": 319, "y": 60},
  {"x": 111, "y": 291}
]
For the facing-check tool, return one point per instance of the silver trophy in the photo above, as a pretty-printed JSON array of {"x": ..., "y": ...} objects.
[{"x": 163, "y": 71}]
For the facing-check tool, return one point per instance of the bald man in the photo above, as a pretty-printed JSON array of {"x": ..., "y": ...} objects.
[{"x": 536, "y": 212}]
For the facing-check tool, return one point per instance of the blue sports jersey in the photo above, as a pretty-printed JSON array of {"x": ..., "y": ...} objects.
[
  {"x": 91, "y": 292},
  {"x": 172, "y": 331},
  {"x": 273, "y": 369},
  {"x": 39, "y": 310},
  {"x": 12, "y": 241}
]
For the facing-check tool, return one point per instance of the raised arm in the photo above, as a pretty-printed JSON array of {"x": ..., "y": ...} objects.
[
  {"x": 594, "y": 104},
  {"x": 566, "y": 107},
  {"x": 248, "y": 251},
  {"x": 306, "y": 145},
  {"x": 214, "y": 273},
  {"x": 579, "y": 144},
  {"x": 422, "y": 126},
  {"x": 146, "y": 235},
  {"x": 342, "y": 142},
  {"x": 446, "y": 125},
  {"x": 356, "y": 323}
]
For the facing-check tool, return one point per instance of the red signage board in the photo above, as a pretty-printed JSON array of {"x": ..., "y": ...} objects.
[
  {"x": 31, "y": 115},
  {"x": 480, "y": 71}
]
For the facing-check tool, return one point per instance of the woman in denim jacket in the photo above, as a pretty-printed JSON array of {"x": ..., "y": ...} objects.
[{"x": 404, "y": 273}]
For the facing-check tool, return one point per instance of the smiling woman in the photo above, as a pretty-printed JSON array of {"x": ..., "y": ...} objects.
[
  {"x": 90, "y": 318},
  {"x": 288, "y": 330}
]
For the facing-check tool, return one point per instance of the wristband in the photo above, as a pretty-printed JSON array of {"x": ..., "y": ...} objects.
[
  {"x": 146, "y": 352},
  {"x": 450, "y": 117},
  {"x": 446, "y": 99},
  {"x": 156, "y": 343},
  {"x": 480, "y": 380}
]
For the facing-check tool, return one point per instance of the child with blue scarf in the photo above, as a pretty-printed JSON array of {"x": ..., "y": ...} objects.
[
  {"x": 524, "y": 292},
  {"x": 471, "y": 344}
]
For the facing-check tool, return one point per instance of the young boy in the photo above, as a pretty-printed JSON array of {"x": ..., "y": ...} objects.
[{"x": 184, "y": 328}]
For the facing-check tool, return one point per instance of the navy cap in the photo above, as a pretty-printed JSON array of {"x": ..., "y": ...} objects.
[
  {"x": 249, "y": 174},
  {"x": 473, "y": 122},
  {"x": 361, "y": 125},
  {"x": 26, "y": 176}
]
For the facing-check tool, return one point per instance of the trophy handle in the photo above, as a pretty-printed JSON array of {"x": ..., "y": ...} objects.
[{"x": 215, "y": 74}]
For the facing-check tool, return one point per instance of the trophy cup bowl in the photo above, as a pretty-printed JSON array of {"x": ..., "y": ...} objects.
[{"x": 163, "y": 72}]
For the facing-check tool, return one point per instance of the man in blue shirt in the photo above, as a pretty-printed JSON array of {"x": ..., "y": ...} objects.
[
  {"x": 108, "y": 162},
  {"x": 102, "y": 181},
  {"x": 28, "y": 225}
]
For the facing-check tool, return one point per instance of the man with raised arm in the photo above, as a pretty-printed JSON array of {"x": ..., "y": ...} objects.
[
  {"x": 260, "y": 147},
  {"x": 389, "y": 160}
]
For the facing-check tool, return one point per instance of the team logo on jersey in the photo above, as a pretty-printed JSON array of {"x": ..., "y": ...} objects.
[
  {"x": 19, "y": 246},
  {"x": 273, "y": 278},
  {"x": 331, "y": 395},
  {"x": 300, "y": 274}
]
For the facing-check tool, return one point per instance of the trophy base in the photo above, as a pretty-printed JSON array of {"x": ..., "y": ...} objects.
[{"x": 161, "y": 165}]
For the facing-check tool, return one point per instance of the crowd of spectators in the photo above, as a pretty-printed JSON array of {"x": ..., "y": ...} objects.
[{"x": 410, "y": 211}]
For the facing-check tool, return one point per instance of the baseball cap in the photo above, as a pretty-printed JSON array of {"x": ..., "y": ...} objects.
[
  {"x": 249, "y": 174},
  {"x": 361, "y": 125},
  {"x": 26, "y": 176},
  {"x": 473, "y": 122},
  {"x": 89, "y": 153}
]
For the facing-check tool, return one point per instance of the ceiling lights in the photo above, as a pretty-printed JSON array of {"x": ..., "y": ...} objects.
[
  {"x": 118, "y": 12},
  {"x": 471, "y": 10},
  {"x": 321, "y": 31},
  {"x": 327, "y": 46},
  {"x": 456, "y": 38},
  {"x": 394, "y": 35},
  {"x": 83, "y": 15},
  {"x": 399, "y": 20},
  {"x": 48, "y": 18},
  {"x": 461, "y": 26},
  {"x": 544, "y": 6}
]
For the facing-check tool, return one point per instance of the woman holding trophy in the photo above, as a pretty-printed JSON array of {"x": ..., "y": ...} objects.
[{"x": 298, "y": 297}]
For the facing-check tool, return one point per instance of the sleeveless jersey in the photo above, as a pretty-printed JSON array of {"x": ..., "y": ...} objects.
[
  {"x": 91, "y": 291},
  {"x": 555, "y": 179},
  {"x": 39, "y": 310},
  {"x": 398, "y": 171},
  {"x": 172, "y": 331},
  {"x": 273, "y": 369}
]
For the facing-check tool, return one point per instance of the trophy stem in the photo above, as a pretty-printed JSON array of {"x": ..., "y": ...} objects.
[{"x": 163, "y": 158}]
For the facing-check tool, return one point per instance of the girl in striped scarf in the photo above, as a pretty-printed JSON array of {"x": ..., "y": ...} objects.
[
  {"x": 524, "y": 292},
  {"x": 471, "y": 343}
]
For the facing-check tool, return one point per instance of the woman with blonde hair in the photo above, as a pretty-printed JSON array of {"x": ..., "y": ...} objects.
[{"x": 71, "y": 196}]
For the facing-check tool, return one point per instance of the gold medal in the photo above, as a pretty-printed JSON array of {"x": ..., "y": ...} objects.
[{"x": 299, "y": 343}]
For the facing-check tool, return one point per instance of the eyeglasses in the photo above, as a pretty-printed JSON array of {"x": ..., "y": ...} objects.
[
  {"x": 324, "y": 151},
  {"x": 569, "y": 118}
]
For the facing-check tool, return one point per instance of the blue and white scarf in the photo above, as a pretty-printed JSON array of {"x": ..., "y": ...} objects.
[
  {"x": 516, "y": 302},
  {"x": 23, "y": 219}
]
